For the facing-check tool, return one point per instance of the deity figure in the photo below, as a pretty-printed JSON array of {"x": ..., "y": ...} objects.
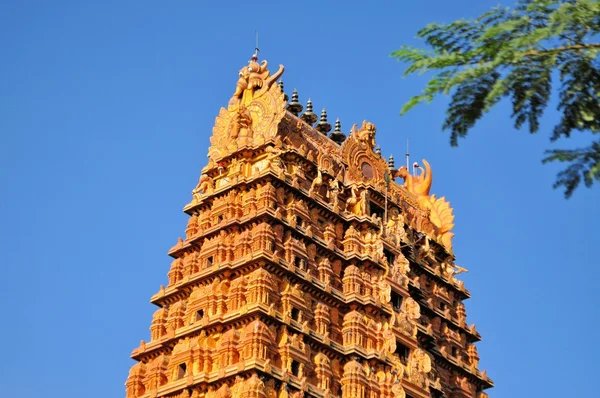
[
  {"x": 366, "y": 133},
  {"x": 394, "y": 227},
  {"x": 254, "y": 80},
  {"x": 412, "y": 309},
  {"x": 205, "y": 186},
  {"x": 449, "y": 270},
  {"x": 241, "y": 124},
  {"x": 385, "y": 290},
  {"x": 419, "y": 364},
  {"x": 272, "y": 158},
  {"x": 389, "y": 340},
  {"x": 334, "y": 192},
  {"x": 401, "y": 266}
]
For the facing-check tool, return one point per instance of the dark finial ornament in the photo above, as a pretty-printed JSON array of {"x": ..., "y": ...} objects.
[
  {"x": 323, "y": 126},
  {"x": 308, "y": 116},
  {"x": 285, "y": 96},
  {"x": 337, "y": 134},
  {"x": 294, "y": 106},
  {"x": 378, "y": 150}
]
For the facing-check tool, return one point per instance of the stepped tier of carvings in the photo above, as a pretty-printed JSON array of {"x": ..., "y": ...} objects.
[
  {"x": 307, "y": 271},
  {"x": 322, "y": 173},
  {"x": 211, "y": 305}
]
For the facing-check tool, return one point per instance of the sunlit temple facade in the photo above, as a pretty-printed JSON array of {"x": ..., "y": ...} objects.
[{"x": 310, "y": 267}]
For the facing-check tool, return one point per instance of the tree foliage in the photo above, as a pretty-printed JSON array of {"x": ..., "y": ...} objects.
[{"x": 516, "y": 54}]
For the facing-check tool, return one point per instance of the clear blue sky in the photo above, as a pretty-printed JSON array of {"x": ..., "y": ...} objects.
[{"x": 106, "y": 108}]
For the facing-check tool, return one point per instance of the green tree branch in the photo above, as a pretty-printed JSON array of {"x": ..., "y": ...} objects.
[{"x": 514, "y": 54}]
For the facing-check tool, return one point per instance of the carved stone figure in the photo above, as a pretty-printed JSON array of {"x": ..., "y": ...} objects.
[
  {"x": 389, "y": 340},
  {"x": 419, "y": 365},
  {"x": 254, "y": 80},
  {"x": 205, "y": 186},
  {"x": 240, "y": 126},
  {"x": 366, "y": 133},
  {"x": 316, "y": 183},
  {"x": 419, "y": 185},
  {"x": 385, "y": 290},
  {"x": 352, "y": 201},
  {"x": 440, "y": 212},
  {"x": 412, "y": 309}
]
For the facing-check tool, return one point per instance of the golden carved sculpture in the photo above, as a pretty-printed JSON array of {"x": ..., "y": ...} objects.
[
  {"x": 253, "y": 113},
  {"x": 440, "y": 212},
  {"x": 419, "y": 365},
  {"x": 255, "y": 80},
  {"x": 240, "y": 126},
  {"x": 366, "y": 134},
  {"x": 291, "y": 282},
  {"x": 316, "y": 183},
  {"x": 205, "y": 187}
]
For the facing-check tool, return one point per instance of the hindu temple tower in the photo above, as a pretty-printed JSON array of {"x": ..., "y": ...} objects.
[{"x": 310, "y": 267}]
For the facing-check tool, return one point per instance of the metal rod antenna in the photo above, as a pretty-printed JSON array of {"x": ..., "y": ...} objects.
[
  {"x": 407, "y": 154},
  {"x": 256, "y": 50}
]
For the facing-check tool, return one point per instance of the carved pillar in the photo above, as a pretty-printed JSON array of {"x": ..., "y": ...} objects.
[
  {"x": 325, "y": 271},
  {"x": 322, "y": 319},
  {"x": 352, "y": 280},
  {"x": 329, "y": 236},
  {"x": 260, "y": 285},
  {"x": 158, "y": 327},
  {"x": 473, "y": 356},
  {"x": 354, "y": 381},
  {"x": 323, "y": 371},
  {"x": 257, "y": 342},
  {"x": 192, "y": 227},
  {"x": 237, "y": 293},
  {"x": 135, "y": 382},
  {"x": 353, "y": 329},
  {"x": 176, "y": 271},
  {"x": 190, "y": 263},
  {"x": 461, "y": 314},
  {"x": 157, "y": 372},
  {"x": 175, "y": 318},
  {"x": 227, "y": 349},
  {"x": 352, "y": 242}
]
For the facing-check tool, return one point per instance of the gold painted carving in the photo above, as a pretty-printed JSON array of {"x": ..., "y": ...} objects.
[
  {"x": 419, "y": 365},
  {"x": 440, "y": 212},
  {"x": 205, "y": 186},
  {"x": 364, "y": 165},
  {"x": 253, "y": 113},
  {"x": 366, "y": 134}
]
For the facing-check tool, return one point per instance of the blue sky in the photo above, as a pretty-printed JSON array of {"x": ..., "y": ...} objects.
[{"x": 106, "y": 109}]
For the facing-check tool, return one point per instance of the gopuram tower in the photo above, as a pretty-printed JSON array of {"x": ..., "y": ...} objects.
[{"x": 310, "y": 267}]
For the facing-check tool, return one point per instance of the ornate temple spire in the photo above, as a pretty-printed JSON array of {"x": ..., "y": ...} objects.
[
  {"x": 280, "y": 85},
  {"x": 323, "y": 126},
  {"x": 332, "y": 306},
  {"x": 337, "y": 134},
  {"x": 308, "y": 116},
  {"x": 294, "y": 106}
]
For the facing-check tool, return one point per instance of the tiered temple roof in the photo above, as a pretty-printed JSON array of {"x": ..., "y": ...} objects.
[{"x": 306, "y": 270}]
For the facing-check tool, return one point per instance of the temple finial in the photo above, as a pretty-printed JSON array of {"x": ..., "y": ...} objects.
[
  {"x": 337, "y": 134},
  {"x": 391, "y": 162},
  {"x": 323, "y": 126},
  {"x": 378, "y": 150},
  {"x": 308, "y": 116},
  {"x": 294, "y": 106},
  {"x": 285, "y": 96}
]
